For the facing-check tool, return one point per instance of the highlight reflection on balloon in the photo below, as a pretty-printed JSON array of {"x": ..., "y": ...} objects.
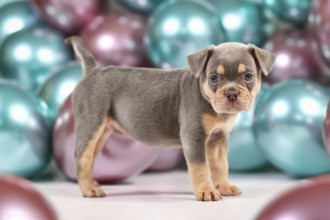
[
  {"x": 24, "y": 133},
  {"x": 180, "y": 28},
  {"x": 289, "y": 127}
]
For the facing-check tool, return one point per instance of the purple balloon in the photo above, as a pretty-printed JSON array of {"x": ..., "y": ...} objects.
[
  {"x": 168, "y": 159},
  {"x": 306, "y": 201},
  {"x": 67, "y": 16},
  {"x": 326, "y": 129},
  {"x": 117, "y": 39},
  {"x": 120, "y": 158},
  {"x": 297, "y": 57},
  {"x": 19, "y": 200}
]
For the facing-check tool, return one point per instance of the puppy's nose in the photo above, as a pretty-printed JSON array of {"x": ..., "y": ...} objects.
[{"x": 231, "y": 94}]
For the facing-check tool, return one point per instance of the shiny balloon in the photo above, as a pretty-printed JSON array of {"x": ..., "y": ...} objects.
[
  {"x": 296, "y": 57},
  {"x": 289, "y": 127},
  {"x": 242, "y": 21},
  {"x": 14, "y": 17},
  {"x": 168, "y": 159},
  {"x": 305, "y": 201},
  {"x": 58, "y": 86},
  {"x": 145, "y": 6},
  {"x": 6, "y": 2},
  {"x": 244, "y": 154},
  {"x": 117, "y": 39},
  {"x": 180, "y": 28},
  {"x": 24, "y": 133},
  {"x": 67, "y": 17},
  {"x": 20, "y": 200},
  {"x": 326, "y": 129},
  {"x": 292, "y": 11},
  {"x": 28, "y": 56},
  {"x": 120, "y": 158}
]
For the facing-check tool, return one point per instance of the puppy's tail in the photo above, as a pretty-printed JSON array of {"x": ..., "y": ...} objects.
[{"x": 87, "y": 60}]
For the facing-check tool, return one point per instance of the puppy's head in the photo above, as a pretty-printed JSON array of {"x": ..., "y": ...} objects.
[{"x": 230, "y": 74}]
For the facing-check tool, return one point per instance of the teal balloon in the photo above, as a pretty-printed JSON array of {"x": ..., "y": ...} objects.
[
  {"x": 6, "y": 2},
  {"x": 294, "y": 11},
  {"x": 144, "y": 6},
  {"x": 180, "y": 28},
  {"x": 24, "y": 134},
  {"x": 14, "y": 17},
  {"x": 242, "y": 21},
  {"x": 288, "y": 127},
  {"x": 58, "y": 86},
  {"x": 29, "y": 55},
  {"x": 244, "y": 153}
]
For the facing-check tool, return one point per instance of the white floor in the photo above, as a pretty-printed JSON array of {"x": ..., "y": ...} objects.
[{"x": 164, "y": 196}]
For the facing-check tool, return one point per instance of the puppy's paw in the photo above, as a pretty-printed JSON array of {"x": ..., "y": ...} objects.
[
  {"x": 228, "y": 190},
  {"x": 207, "y": 193},
  {"x": 94, "y": 191}
]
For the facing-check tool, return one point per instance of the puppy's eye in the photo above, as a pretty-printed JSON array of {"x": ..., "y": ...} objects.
[
  {"x": 248, "y": 77},
  {"x": 214, "y": 79}
]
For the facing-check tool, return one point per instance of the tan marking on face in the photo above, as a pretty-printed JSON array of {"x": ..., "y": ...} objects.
[
  {"x": 221, "y": 70},
  {"x": 208, "y": 92},
  {"x": 241, "y": 68}
]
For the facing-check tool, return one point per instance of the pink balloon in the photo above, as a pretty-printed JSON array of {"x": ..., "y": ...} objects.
[
  {"x": 120, "y": 158},
  {"x": 117, "y": 39},
  {"x": 19, "y": 200},
  {"x": 67, "y": 16},
  {"x": 168, "y": 159}
]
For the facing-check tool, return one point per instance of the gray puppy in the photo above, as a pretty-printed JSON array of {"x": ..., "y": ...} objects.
[{"x": 195, "y": 107}]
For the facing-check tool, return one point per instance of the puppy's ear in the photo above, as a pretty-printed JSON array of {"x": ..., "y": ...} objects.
[
  {"x": 263, "y": 58},
  {"x": 197, "y": 61}
]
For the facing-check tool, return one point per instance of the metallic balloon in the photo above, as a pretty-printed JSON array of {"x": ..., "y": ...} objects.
[
  {"x": 6, "y": 2},
  {"x": 20, "y": 200},
  {"x": 296, "y": 57},
  {"x": 67, "y": 17},
  {"x": 180, "y": 28},
  {"x": 14, "y": 17},
  {"x": 117, "y": 39},
  {"x": 244, "y": 153},
  {"x": 242, "y": 21},
  {"x": 289, "y": 127},
  {"x": 28, "y": 56},
  {"x": 168, "y": 159},
  {"x": 293, "y": 11},
  {"x": 24, "y": 134},
  {"x": 326, "y": 129},
  {"x": 120, "y": 158},
  {"x": 305, "y": 201},
  {"x": 145, "y": 6},
  {"x": 58, "y": 86}
]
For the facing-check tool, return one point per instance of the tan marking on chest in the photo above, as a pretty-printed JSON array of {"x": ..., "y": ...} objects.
[
  {"x": 241, "y": 68},
  {"x": 221, "y": 70},
  {"x": 213, "y": 122}
]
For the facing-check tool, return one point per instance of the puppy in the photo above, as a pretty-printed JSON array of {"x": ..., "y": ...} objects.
[{"x": 193, "y": 107}]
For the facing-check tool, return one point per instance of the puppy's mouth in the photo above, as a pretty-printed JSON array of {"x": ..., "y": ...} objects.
[{"x": 226, "y": 106}]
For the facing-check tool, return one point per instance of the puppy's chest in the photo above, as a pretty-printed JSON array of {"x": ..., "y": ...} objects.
[{"x": 218, "y": 122}]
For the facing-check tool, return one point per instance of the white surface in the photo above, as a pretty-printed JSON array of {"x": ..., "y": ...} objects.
[{"x": 163, "y": 196}]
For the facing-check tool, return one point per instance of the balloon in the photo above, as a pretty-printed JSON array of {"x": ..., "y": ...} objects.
[
  {"x": 120, "y": 158},
  {"x": 145, "y": 6},
  {"x": 289, "y": 127},
  {"x": 296, "y": 57},
  {"x": 180, "y": 28},
  {"x": 242, "y": 21},
  {"x": 67, "y": 17},
  {"x": 292, "y": 11},
  {"x": 244, "y": 153},
  {"x": 326, "y": 129},
  {"x": 168, "y": 159},
  {"x": 6, "y": 2},
  {"x": 14, "y": 17},
  {"x": 24, "y": 134},
  {"x": 20, "y": 200},
  {"x": 320, "y": 26},
  {"x": 58, "y": 86},
  {"x": 29, "y": 55},
  {"x": 303, "y": 202},
  {"x": 117, "y": 39}
]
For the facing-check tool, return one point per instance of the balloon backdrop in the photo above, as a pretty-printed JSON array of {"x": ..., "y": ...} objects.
[
  {"x": 303, "y": 202},
  {"x": 326, "y": 129},
  {"x": 58, "y": 86},
  {"x": 117, "y": 39},
  {"x": 24, "y": 134},
  {"x": 6, "y": 2},
  {"x": 244, "y": 153},
  {"x": 168, "y": 159},
  {"x": 180, "y": 28},
  {"x": 289, "y": 127},
  {"x": 120, "y": 158},
  {"x": 296, "y": 57},
  {"x": 67, "y": 17},
  {"x": 19, "y": 200},
  {"x": 29, "y": 55},
  {"x": 292, "y": 11},
  {"x": 14, "y": 17},
  {"x": 242, "y": 21},
  {"x": 145, "y": 6}
]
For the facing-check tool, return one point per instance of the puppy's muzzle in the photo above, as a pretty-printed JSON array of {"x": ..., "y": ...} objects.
[{"x": 231, "y": 94}]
